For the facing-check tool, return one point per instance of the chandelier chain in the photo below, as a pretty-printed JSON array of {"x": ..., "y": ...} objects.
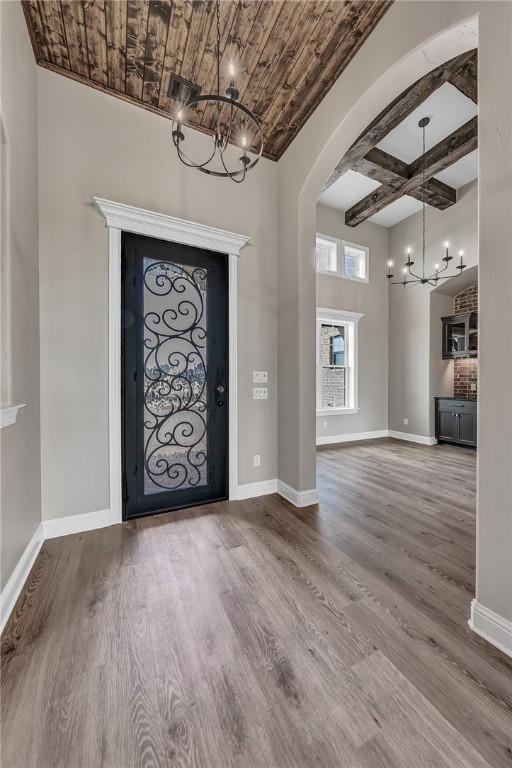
[
  {"x": 218, "y": 45},
  {"x": 409, "y": 276},
  {"x": 424, "y": 209},
  {"x": 240, "y": 128}
]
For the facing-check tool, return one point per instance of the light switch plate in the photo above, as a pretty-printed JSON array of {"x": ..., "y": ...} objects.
[
  {"x": 256, "y": 460},
  {"x": 260, "y": 393},
  {"x": 260, "y": 377},
  {"x": 406, "y": 422}
]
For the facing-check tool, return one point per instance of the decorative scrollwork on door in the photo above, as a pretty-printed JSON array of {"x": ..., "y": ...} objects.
[{"x": 175, "y": 393}]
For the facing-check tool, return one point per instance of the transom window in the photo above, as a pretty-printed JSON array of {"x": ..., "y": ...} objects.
[
  {"x": 355, "y": 261},
  {"x": 336, "y": 361},
  {"x": 341, "y": 258},
  {"x": 326, "y": 254}
]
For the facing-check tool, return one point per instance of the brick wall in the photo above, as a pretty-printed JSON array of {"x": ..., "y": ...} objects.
[
  {"x": 467, "y": 301},
  {"x": 333, "y": 387},
  {"x": 465, "y": 372}
]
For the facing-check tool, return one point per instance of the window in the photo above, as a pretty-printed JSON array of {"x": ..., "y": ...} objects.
[
  {"x": 326, "y": 254},
  {"x": 355, "y": 261},
  {"x": 338, "y": 257},
  {"x": 336, "y": 361},
  {"x": 337, "y": 346},
  {"x": 332, "y": 360}
]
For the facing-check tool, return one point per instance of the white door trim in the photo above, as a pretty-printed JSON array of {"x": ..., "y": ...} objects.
[{"x": 127, "y": 218}]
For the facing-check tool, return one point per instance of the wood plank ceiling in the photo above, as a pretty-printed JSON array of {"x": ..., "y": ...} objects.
[{"x": 288, "y": 52}]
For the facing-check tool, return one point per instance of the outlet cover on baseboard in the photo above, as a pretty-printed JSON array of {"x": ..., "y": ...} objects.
[
  {"x": 406, "y": 422},
  {"x": 256, "y": 460}
]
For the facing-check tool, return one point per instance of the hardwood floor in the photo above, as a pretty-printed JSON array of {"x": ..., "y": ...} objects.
[{"x": 254, "y": 634}]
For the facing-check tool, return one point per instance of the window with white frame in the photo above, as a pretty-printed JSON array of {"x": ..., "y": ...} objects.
[
  {"x": 336, "y": 380},
  {"x": 341, "y": 258},
  {"x": 326, "y": 254},
  {"x": 354, "y": 261}
]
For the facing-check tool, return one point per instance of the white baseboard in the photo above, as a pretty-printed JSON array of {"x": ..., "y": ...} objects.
[
  {"x": 264, "y": 487},
  {"x": 63, "y": 526},
  {"x": 18, "y": 577},
  {"x": 261, "y": 488},
  {"x": 491, "y": 626},
  {"x": 297, "y": 498},
  {"x": 351, "y": 437},
  {"x": 48, "y": 529},
  {"x": 423, "y": 439}
]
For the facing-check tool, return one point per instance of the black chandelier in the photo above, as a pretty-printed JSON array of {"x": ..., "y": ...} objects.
[
  {"x": 408, "y": 276},
  {"x": 234, "y": 124}
]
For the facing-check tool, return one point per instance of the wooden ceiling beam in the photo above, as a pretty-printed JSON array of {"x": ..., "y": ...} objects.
[
  {"x": 436, "y": 193},
  {"x": 465, "y": 77},
  {"x": 460, "y": 69},
  {"x": 441, "y": 156},
  {"x": 393, "y": 173},
  {"x": 382, "y": 167}
]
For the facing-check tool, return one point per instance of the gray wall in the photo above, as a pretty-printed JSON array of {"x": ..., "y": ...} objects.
[
  {"x": 371, "y": 299},
  {"x": 92, "y": 144},
  {"x": 441, "y": 371},
  {"x": 494, "y": 505},
  {"x": 415, "y": 374},
  {"x": 20, "y": 447}
]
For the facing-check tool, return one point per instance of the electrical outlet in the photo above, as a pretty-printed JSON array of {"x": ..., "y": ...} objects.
[
  {"x": 406, "y": 422},
  {"x": 325, "y": 423},
  {"x": 260, "y": 393},
  {"x": 260, "y": 377},
  {"x": 256, "y": 460}
]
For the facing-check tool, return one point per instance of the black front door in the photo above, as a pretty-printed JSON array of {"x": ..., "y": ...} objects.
[{"x": 174, "y": 374}]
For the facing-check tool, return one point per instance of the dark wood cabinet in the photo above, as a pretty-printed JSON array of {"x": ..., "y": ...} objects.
[
  {"x": 460, "y": 335},
  {"x": 456, "y": 421}
]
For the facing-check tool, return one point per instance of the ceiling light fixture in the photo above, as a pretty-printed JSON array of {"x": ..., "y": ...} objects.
[
  {"x": 235, "y": 124},
  {"x": 409, "y": 276}
]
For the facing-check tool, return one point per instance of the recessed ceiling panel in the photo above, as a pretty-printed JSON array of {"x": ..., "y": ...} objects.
[
  {"x": 394, "y": 212},
  {"x": 347, "y": 190},
  {"x": 461, "y": 172},
  {"x": 447, "y": 108}
]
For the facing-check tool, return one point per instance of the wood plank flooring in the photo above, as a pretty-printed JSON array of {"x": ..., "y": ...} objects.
[{"x": 249, "y": 634}]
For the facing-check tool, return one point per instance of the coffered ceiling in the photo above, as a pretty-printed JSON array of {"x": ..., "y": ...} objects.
[
  {"x": 380, "y": 178},
  {"x": 288, "y": 53}
]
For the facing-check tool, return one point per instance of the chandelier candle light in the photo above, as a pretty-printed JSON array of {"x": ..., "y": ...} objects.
[
  {"x": 235, "y": 124},
  {"x": 408, "y": 276}
]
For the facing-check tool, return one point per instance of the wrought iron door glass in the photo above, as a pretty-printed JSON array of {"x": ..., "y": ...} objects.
[{"x": 175, "y": 367}]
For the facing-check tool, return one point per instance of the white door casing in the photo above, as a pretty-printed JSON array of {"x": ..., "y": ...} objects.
[{"x": 120, "y": 218}]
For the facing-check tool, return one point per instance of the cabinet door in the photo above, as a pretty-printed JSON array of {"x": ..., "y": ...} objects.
[
  {"x": 447, "y": 426},
  {"x": 473, "y": 335},
  {"x": 467, "y": 428},
  {"x": 455, "y": 337}
]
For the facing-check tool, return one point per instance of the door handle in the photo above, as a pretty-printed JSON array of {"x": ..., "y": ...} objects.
[{"x": 220, "y": 389}]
